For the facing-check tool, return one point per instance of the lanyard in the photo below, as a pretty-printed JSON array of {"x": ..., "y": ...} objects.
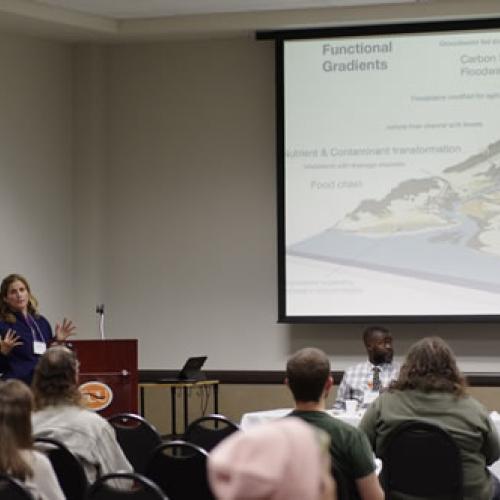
[{"x": 30, "y": 321}]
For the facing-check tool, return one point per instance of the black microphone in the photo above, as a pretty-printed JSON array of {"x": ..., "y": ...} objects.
[{"x": 100, "y": 311}]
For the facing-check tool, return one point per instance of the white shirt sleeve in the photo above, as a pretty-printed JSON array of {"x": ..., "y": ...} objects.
[
  {"x": 110, "y": 456},
  {"x": 43, "y": 484}
]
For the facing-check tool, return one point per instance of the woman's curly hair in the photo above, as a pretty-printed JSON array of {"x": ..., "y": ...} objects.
[{"x": 430, "y": 365}]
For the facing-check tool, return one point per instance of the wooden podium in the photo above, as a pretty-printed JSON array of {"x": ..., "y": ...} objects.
[{"x": 108, "y": 374}]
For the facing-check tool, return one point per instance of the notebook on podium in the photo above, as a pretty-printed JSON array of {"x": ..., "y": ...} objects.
[{"x": 190, "y": 372}]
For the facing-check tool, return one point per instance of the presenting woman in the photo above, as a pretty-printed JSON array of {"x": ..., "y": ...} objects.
[
  {"x": 430, "y": 387},
  {"x": 24, "y": 333}
]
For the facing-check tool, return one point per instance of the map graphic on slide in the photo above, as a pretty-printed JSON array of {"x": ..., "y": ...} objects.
[{"x": 444, "y": 227}]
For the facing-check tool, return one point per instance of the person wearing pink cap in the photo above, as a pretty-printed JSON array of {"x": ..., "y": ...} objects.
[{"x": 285, "y": 459}]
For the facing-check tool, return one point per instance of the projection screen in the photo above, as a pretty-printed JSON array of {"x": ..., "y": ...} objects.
[{"x": 389, "y": 172}]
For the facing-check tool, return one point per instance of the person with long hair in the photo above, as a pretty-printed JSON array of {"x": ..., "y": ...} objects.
[
  {"x": 430, "y": 387},
  {"x": 18, "y": 459},
  {"x": 59, "y": 414},
  {"x": 24, "y": 333}
]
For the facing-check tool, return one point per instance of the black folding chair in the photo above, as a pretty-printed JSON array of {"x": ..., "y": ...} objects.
[
  {"x": 209, "y": 431},
  {"x": 12, "y": 489},
  {"x": 136, "y": 487},
  {"x": 137, "y": 438},
  {"x": 69, "y": 470},
  {"x": 422, "y": 460},
  {"x": 179, "y": 468}
]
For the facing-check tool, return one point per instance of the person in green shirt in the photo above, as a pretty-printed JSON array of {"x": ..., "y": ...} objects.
[
  {"x": 308, "y": 376},
  {"x": 430, "y": 387}
]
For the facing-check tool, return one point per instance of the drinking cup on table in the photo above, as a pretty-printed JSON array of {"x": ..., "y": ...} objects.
[{"x": 351, "y": 405}]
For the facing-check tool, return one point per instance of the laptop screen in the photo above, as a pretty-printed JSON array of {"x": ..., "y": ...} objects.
[{"x": 192, "y": 368}]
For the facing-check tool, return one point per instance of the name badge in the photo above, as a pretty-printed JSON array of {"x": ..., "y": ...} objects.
[{"x": 39, "y": 347}]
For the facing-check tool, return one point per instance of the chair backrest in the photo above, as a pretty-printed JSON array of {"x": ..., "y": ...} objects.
[
  {"x": 137, "y": 438},
  {"x": 135, "y": 487},
  {"x": 180, "y": 469},
  {"x": 210, "y": 430},
  {"x": 69, "y": 470},
  {"x": 12, "y": 489},
  {"x": 421, "y": 459}
]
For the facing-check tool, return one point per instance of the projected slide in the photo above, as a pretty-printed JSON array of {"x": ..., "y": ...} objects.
[{"x": 392, "y": 175}]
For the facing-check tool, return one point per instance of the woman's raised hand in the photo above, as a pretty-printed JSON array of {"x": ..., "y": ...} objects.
[
  {"x": 9, "y": 341},
  {"x": 65, "y": 330}
]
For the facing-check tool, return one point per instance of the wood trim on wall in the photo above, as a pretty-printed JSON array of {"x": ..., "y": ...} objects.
[{"x": 257, "y": 377}]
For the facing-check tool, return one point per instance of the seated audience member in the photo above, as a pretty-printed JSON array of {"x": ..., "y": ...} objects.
[
  {"x": 364, "y": 381},
  {"x": 430, "y": 387},
  {"x": 60, "y": 415},
  {"x": 308, "y": 377},
  {"x": 281, "y": 460},
  {"x": 17, "y": 457}
]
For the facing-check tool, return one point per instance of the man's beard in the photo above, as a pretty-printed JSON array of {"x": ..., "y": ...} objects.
[{"x": 382, "y": 358}]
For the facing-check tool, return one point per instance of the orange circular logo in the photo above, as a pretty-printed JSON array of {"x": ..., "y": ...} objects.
[{"x": 96, "y": 395}]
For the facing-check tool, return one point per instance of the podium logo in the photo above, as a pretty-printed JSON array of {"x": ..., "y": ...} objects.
[{"x": 96, "y": 395}]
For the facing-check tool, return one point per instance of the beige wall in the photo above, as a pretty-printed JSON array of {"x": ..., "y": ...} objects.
[
  {"x": 35, "y": 166},
  {"x": 143, "y": 176},
  {"x": 235, "y": 400},
  {"x": 189, "y": 254}
]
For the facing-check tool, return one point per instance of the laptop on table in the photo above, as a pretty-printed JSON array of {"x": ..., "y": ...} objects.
[{"x": 190, "y": 372}]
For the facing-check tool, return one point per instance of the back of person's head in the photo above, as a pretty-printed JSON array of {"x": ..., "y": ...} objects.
[
  {"x": 55, "y": 378},
  {"x": 430, "y": 365},
  {"x": 16, "y": 403},
  {"x": 279, "y": 460},
  {"x": 307, "y": 372}
]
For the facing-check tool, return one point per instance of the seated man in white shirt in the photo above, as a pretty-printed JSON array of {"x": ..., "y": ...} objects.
[{"x": 364, "y": 381}]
